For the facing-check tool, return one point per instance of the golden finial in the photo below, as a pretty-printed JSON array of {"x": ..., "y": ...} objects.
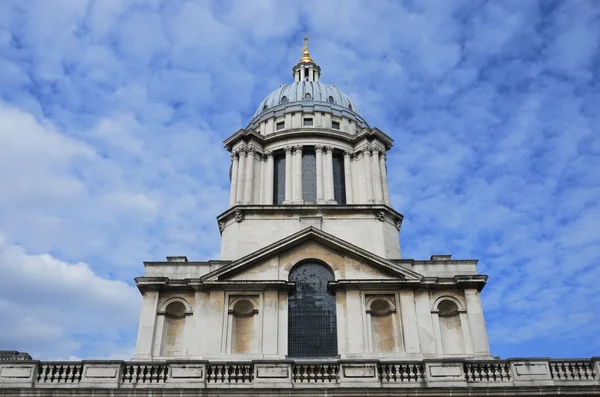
[{"x": 305, "y": 54}]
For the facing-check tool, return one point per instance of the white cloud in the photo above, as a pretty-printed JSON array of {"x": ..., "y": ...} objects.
[{"x": 50, "y": 304}]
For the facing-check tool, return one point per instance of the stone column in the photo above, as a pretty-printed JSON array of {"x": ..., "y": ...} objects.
[
  {"x": 298, "y": 174},
  {"x": 348, "y": 177},
  {"x": 368, "y": 174},
  {"x": 329, "y": 193},
  {"x": 145, "y": 339},
  {"x": 288, "y": 175},
  {"x": 311, "y": 74},
  {"x": 476, "y": 323},
  {"x": 270, "y": 177},
  {"x": 249, "y": 175},
  {"x": 234, "y": 173},
  {"x": 378, "y": 196},
  {"x": 384, "y": 181},
  {"x": 239, "y": 196},
  {"x": 320, "y": 193}
]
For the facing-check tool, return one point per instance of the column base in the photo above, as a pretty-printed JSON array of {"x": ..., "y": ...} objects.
[
  {"x": 298, "y": 202},
  {"x": 286, "y": 202},
  {"x": 321, "y": 201}
]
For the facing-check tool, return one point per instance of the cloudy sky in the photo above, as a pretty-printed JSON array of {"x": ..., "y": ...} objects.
[{"x": 113, "y": 113}]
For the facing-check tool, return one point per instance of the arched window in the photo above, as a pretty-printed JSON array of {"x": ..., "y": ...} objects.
[
  {"x": 331, "y": 100},
  {"x": 174, "y": 322},
  {"x": 450, "y": 327},
  {"x": 284, "y": 99},
  {"x": 307, "y": 97},
  {"x": 242, "y": 326},
  {"x": 312, "y": 330},
  {"x": 339, "y": 179},
  {"x": 383, "y": 326}
]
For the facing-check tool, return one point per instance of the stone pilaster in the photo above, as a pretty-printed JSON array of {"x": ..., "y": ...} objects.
[
  {"x": 384, "y": 180},
  {"x": 298, "y": 199},
  {"x": 476, "y": 323},
  {"x": 348, "y": 177},
  {"x": 234, "y": 172},
  {"x": 320, "y": 187},
  {"x": 368, "y": 175},
  {"x": 270, "y": 177},
  {"x": 288, "y": 175},
  {"x": 329, "y": 192},
  {"x": 377, "y": 186},
  {"x": 249, "y": 175},
  {"x": 147, "y": 325},
  {"x": 239, "y": 196}
]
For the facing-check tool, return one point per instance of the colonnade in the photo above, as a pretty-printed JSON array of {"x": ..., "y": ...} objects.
[{"x": 253, "y": 173}]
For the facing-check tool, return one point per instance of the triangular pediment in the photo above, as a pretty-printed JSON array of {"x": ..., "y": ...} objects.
[{"x": 347, "y": 260}]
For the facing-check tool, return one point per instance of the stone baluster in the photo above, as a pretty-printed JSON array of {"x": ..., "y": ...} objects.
[
  {"x": 384, "y": 180},
  {"x": 319, "y": 158},
  {"x": 377, "y": 186},
  {"x": 348, "y": 177},
  {"x": 239, "y": 195},
  {"x": 329, "y": 191},
  {"x": 234, "y": 173},
  {"x": 249, "y": 175},
  {"x": 288, "y": 175},
  {"x": 297, "y": 174}
]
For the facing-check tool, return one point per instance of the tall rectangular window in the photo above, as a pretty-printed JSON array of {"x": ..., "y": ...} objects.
[
  {"x": 280, "y": 125},
  {"x": 308, "y": 121},
  {"x": 279, "y": 179},
  {"x": 309, "y": 176},
  {"x": 339, "y": 179}
]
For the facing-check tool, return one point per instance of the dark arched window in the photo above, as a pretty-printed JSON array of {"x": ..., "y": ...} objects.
[
  {"x": 339, "y": 179},
  {"x": 279, "y": 179},
  {"x": 312, "y": 330}
]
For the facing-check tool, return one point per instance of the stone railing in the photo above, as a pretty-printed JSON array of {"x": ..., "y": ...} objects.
[{"x": 582, "y": 374}]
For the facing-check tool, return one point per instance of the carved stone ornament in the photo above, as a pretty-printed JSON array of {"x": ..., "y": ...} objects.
[
  {"x": 319, "y": 148},
  {"x": 250, "y": 149},
  {"x": 398, "y": 223},
  {"x": 328, "y": 148},
  {"x": 233, "y": 156},
  {"x": 221, "y": 226},
  {"x": 288, "y": 149},
  {"x": 381, "y": 216},
  {"x": 348, "y": 153},
  {"x": 239, "y": 215},
  {"x": 242, "y": 149},
  {"x": 269, "y": 153},
  {"x": 298, "y": 148}
]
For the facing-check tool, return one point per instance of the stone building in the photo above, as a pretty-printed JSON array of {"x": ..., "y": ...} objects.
[{"x": 310, "y": 295}]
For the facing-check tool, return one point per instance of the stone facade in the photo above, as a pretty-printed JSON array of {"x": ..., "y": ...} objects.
[{"x": 310, "y": 295}]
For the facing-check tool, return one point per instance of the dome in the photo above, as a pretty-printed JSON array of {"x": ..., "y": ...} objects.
[{"x": 306, "y": 91}]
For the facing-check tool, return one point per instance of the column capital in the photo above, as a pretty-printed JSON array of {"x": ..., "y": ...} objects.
[
  {"x": 268, "y": 153},
  {"x": 288, "y": 149},
  {"x": 348, "y": 153},
  {"x": 319, "y": 148},
  {"x": 251, "y": 150},
  {"x": 328, "y": 148},
  {"x": 234, "y": 155},
  {"x": 298, "y": 148},
  {"x": 242, "y": 149}
]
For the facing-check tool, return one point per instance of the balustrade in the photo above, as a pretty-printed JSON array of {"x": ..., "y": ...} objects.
[
  {"x": 313, "y": 373},
  {"x": 572, "y": 370},
  {"x": 401, "y": 372},
  {"x": 493, "y": 371},
  {"x": 59, "y": 372},
  {"x": 230, "y": 373},
  {"x": 489, "y": 373},
  {"x": 144, "y": 373}
]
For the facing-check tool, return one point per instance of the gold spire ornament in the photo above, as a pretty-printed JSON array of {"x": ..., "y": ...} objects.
[{"x": 305, "y": 54}]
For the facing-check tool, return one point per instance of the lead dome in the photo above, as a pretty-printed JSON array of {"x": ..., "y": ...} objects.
[{"x": 304, "y": 92}]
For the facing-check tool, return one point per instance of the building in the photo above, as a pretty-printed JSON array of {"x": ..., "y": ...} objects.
[{"x": 310, "y": 295}]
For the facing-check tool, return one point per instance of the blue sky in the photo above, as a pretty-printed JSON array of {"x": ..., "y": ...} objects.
[{"x": 113, "y": 113}]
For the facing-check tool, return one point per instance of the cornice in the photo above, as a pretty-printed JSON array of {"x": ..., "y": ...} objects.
[{"x": 246, "y": 135}]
